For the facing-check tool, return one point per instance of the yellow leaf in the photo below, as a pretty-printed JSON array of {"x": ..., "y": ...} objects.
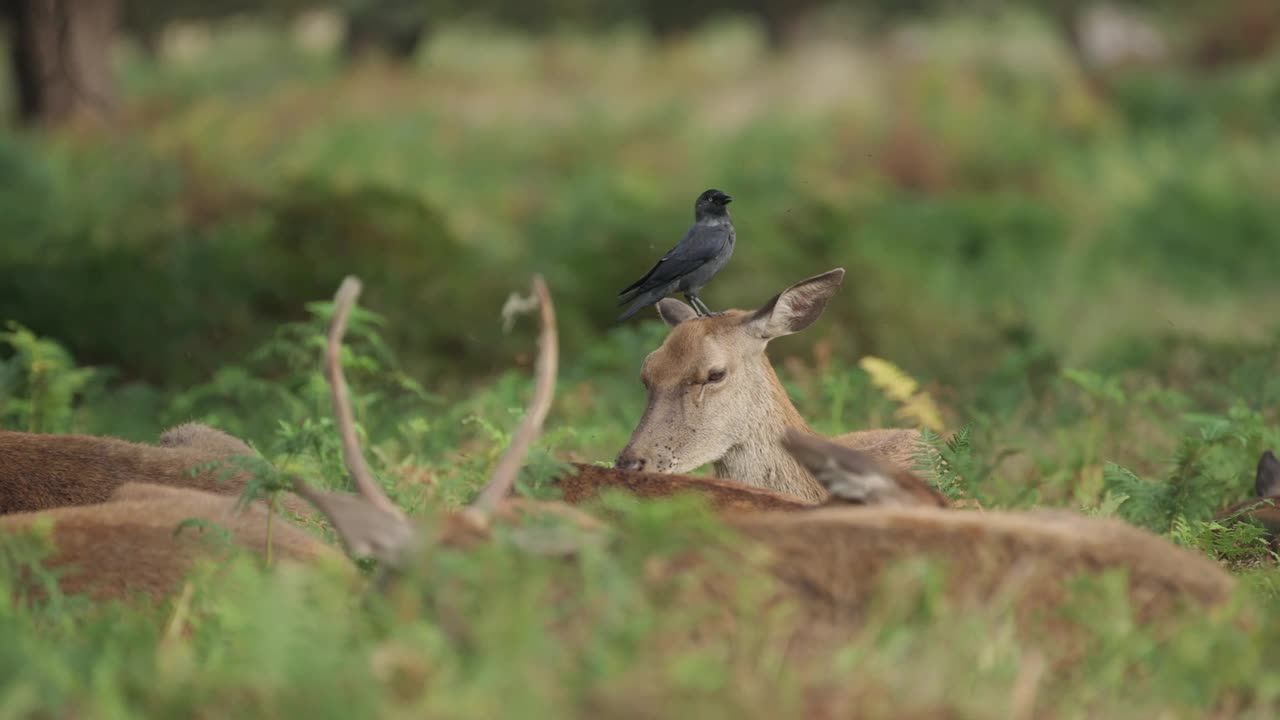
[
  {"x": 889, "y": 378},
  {"x": 916, "y": 407}
]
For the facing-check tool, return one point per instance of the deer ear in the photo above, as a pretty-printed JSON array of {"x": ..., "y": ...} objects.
[
  {"x": 797, "y": 307},
  {"x": 849, "y": 475},
  {"x": 673, "y": 312},
  {"x": 811, "y": 452},
  {"x": 1268, "y": 481}
]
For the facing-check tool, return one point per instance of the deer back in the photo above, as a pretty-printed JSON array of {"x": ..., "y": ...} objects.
[{"x": 833, "y": 556}]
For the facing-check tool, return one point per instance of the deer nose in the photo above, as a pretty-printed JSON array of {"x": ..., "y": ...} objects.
[{"x": 627, "y": 461}]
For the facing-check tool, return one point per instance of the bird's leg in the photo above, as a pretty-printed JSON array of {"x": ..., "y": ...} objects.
[{"x": 698, "y": 306}]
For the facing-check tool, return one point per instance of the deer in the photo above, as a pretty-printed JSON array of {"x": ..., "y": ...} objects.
[
  {"x": 1261, "y": 508},
  {"x": 713, "y": 397},
  {"x": 587, "y": 482},
  {"x": 828, "y": 558},
  {"x": 117, "y": 509},
  {"x": 44, "y": 471}
]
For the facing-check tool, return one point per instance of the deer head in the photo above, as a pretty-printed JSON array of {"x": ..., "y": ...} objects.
[{"x": 711, "y": 387}]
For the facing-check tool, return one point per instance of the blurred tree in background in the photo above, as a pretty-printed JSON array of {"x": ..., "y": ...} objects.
[{"x": 60, "y": 53}]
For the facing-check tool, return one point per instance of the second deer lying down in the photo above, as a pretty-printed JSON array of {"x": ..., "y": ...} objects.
[
  {"x": 128, "y": 544},
  {"x": 40, "y": 472},
  {"x": 828, "y": 558},
  {"x": 715, "y": 398},
  {"x": 115, "y": 508}
]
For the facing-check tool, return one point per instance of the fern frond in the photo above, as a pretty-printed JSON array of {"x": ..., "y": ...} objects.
[
  {"x": 918, "y": 408},
  {"x": 889, "y": 378}
]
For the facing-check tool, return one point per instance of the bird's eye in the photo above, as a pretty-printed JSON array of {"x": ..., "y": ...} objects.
[{"x": 716, "y": 376}]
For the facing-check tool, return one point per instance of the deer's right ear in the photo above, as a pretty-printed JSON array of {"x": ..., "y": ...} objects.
[
  {"x": 673, "y": 312},
  {"x": 1268, "y": 481},
  {"x": 797, "y": 307}
]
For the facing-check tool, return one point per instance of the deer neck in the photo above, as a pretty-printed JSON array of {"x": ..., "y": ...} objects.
[{"x": 759, "y": 459}]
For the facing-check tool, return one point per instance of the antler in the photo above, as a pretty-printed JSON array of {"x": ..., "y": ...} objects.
[
  {"x": 371, "y": 524},
  {"x": 352, "y": 454},
  {"x": 504, "y": 474}
]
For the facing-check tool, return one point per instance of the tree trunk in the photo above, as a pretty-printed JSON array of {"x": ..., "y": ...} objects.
[
  {"x": 61, "y": 55},
  {"x": 394, "y": 28}
]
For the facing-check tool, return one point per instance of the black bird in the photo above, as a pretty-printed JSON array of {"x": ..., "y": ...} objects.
[{"x": 692, "y": 262}]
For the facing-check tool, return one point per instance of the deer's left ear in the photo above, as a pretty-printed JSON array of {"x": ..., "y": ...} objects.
[
  {"x": 1267, "y": 483},
  {"x": 797, "y": 307}
]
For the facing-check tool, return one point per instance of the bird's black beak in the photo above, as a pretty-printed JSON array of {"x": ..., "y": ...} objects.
[{"x": 725, "y": 199}]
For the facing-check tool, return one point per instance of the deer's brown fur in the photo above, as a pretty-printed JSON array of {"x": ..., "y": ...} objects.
[
  {"x": 1030, "y": 554},
  {"x": 831, "y": 557},
  {"x": 127, "y": 544},
  {"x": 713, "y": 397},
  {"x": 41, "y": 471}
]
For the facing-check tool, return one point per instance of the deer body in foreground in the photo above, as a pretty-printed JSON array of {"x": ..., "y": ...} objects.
[
  {"x": 879, "y": 514},
  {"x": 40, "y": 472},
  {"x": 715, "y": 398},
  {"x": 830, "y": 559},
  {"x": 901, "y": 517}
]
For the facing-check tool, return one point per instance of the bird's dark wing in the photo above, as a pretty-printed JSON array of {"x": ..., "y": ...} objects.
[
  {"x": 698, "y": 246},
  {"x": 640, "y": 301},
  {"x": 635, "y": 285}
]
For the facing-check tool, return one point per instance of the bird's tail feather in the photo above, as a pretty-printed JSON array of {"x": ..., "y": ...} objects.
[
  {"x": 633, "y": 292},
  {"x": 640, "y": 303},
  {"x": 635, "y": 287}
]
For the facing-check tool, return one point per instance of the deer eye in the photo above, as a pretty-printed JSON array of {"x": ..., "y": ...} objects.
[{"x": 716, "y": 375}]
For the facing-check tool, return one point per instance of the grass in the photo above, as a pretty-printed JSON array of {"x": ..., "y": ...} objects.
[{"x": 1079, "y": 282}]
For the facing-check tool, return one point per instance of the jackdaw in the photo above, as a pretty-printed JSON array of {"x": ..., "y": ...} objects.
[{"x": 690, "y": 264}]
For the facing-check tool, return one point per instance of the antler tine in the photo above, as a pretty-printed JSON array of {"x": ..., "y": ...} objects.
[
  {"x": 352, "y": 455},
  {"x": 504, "y": 475}
]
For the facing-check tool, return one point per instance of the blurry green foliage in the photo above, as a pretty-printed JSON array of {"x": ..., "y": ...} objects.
[
  {"x": 998, "y": 195},
  {"x": 40, "y": 385},
  {"x": 1081, "y": 282}
]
